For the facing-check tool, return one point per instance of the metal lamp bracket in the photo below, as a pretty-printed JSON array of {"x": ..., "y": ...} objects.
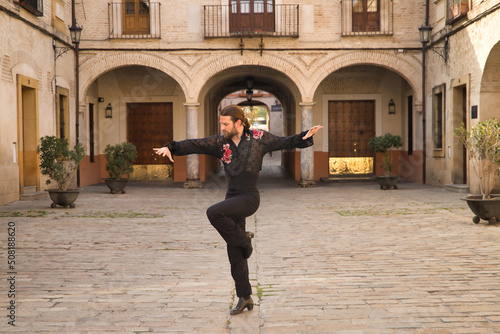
[
  {"x": 442, "y": 51},
  {"x": 241, "y": 45},
  {"x": 59, "y": 50}
]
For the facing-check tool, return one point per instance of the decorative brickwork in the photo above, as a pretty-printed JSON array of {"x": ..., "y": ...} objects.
[{"x": 306, "y": 70}]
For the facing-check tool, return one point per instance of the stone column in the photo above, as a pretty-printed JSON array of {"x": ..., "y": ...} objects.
[
  {"x": 192, "y": 160},
  {"x": 307, "y": 154}
]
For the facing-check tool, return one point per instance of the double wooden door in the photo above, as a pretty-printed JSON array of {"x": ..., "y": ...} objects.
[
  {"x": 351, "y": 125},
  {"x": 136, "y": 17},
  {"x": 149, "y": 125},
  {"x": 366, "y": 15},
  {"x": 251, "y": 16}
]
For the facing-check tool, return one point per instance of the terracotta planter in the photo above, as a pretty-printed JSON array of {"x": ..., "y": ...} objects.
[
  {"x": 116, "y": 185},
  {"x": 63, "y": 198},
  {"x": 387, "y": 182},
  {"x": 486, "y": 209}
]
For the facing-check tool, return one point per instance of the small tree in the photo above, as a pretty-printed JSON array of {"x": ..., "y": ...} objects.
[
  {"x": 482, "y": 142},
  {"x": 120, "y": 158},
  {"x": 57, "y": 161},
  {"x": 384, "y": 144}
]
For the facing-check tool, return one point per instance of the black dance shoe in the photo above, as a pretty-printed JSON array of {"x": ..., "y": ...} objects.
[
  {"x": 242, "y": 305},
  {"x": 247, "y": 245}
]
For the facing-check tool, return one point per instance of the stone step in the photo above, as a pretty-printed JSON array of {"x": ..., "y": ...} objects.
[
  {"x": 349, "y": 178},
  {"x": 457, "y": 188},
  {"x": 29, "y": 189},
  {"x": 33, "y": 195}
]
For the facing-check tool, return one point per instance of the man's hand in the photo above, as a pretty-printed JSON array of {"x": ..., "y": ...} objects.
[
  {"x": 164, "y": 151},
  {"x": 312, "y": 131}
]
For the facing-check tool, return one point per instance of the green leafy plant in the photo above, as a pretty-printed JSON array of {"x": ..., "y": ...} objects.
[
  {"x": 384, "y": 144},
  {"x": 57, "y": 161},
  {"x": 120, "y": 158},
  {"x": 482, "y": 142}
]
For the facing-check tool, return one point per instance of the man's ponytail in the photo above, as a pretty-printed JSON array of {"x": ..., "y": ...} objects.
[{"x": 236, "y": 113}]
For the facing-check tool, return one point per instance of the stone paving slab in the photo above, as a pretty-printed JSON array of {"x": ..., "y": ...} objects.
[{"x": 340, "y": 258}]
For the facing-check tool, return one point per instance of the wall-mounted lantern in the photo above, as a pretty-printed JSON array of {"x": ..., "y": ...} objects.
[
  {"x": 109, "y": 111},
  {"x": 75, "y": 32},
  {"x": 392, "y": 107}
]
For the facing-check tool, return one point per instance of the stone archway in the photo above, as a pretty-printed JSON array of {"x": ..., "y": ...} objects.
[
  {"x": 289, "y": 67},
  {"x": 490, "y": 89},
  {"x": 358, "y": 97},
  {"x": 406, "y": 66},
  {"x": 126, "y": 87},
  {"x": 267, "y": 79},
  {"x": 94, "y": 66}
]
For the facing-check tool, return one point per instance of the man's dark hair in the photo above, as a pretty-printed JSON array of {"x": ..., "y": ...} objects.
[{"x": 236, "y": 114}]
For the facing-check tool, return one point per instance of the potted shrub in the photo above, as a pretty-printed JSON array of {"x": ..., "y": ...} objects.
[
  {"x": 60, "y": 164},
  {"x": 384, "y": 144},
  {"x": 482, "y": 143},
  {"x": 120, "y": 158}
]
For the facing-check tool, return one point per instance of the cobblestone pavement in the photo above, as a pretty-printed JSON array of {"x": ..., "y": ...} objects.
[{"x": 340, "y": 258}]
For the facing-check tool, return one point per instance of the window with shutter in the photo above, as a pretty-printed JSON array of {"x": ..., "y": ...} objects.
[
  {"x": 136, "y": 17},
  {"x": 251, "y": 16}
]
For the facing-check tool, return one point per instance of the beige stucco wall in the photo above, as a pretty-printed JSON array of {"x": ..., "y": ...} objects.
[{"x": 28, "y": 52}]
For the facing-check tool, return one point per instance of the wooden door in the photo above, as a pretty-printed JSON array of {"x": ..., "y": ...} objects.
[
  {"x": 251, "y": 16},
  {"x": 365, "y": 15},
  {"x": 29, "y": 137},
  {"x": 136, "y": 17},
  {"x": 351, "y": 125},
  {"x": 149, "y": 125}
]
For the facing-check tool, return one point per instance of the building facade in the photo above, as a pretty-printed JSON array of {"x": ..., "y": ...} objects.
[
  {"x": 37, "y": 88},
  {"x": 153, "y": 71},
  {"x": 461, "y": 80}
]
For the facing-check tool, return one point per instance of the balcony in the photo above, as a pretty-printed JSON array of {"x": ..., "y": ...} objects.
[
  {"x": 269, "y": 20},
  {"x": 35, "y": 7},
  {"x": 456, "y": 10},
  {"x": 134, "y": 19},
  {"x": 367, "y": 17}
]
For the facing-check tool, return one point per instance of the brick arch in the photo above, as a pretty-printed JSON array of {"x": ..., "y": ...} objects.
[
  {"x": 405, "y": 65},
  {"x": 22, "y": 57},
  {"x": 283, "y": 64},
  {"x": 489, "y": 90},
  {"x": 489, "y": 42},
  {"x": 94, "y": 67}
]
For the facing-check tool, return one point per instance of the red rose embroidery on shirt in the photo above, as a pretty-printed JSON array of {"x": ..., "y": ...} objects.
[
  {"x": 227, "y": 154},
  {"x": 257, "y": 134}
]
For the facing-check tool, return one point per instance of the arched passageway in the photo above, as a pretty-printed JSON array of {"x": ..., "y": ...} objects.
[
  {"x": 217, "y": 89},
  {"x": 133, "y": 103},
  {"x": 357, "y": 103}
]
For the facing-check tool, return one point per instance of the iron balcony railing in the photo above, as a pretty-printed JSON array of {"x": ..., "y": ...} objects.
[
  {"x": 139, "y": 20},
  {"x": 273, "y": 21},
  {"x": 367, "y": 17},
  {"x": 33, "y": 6}
]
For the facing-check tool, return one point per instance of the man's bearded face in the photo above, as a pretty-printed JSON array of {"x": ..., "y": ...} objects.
[{"x": 228, "y": 127}]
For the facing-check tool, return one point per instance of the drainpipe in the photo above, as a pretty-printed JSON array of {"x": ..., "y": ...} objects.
[
  {"x": 424, "y": 137},
  {"x": 77, "y": 88}
]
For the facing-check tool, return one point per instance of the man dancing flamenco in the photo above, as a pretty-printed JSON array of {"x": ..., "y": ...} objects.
[{"x": 241, "y": 151}]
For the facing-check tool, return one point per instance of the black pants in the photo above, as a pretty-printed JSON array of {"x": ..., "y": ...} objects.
[{"x": 228, "y": 218}]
